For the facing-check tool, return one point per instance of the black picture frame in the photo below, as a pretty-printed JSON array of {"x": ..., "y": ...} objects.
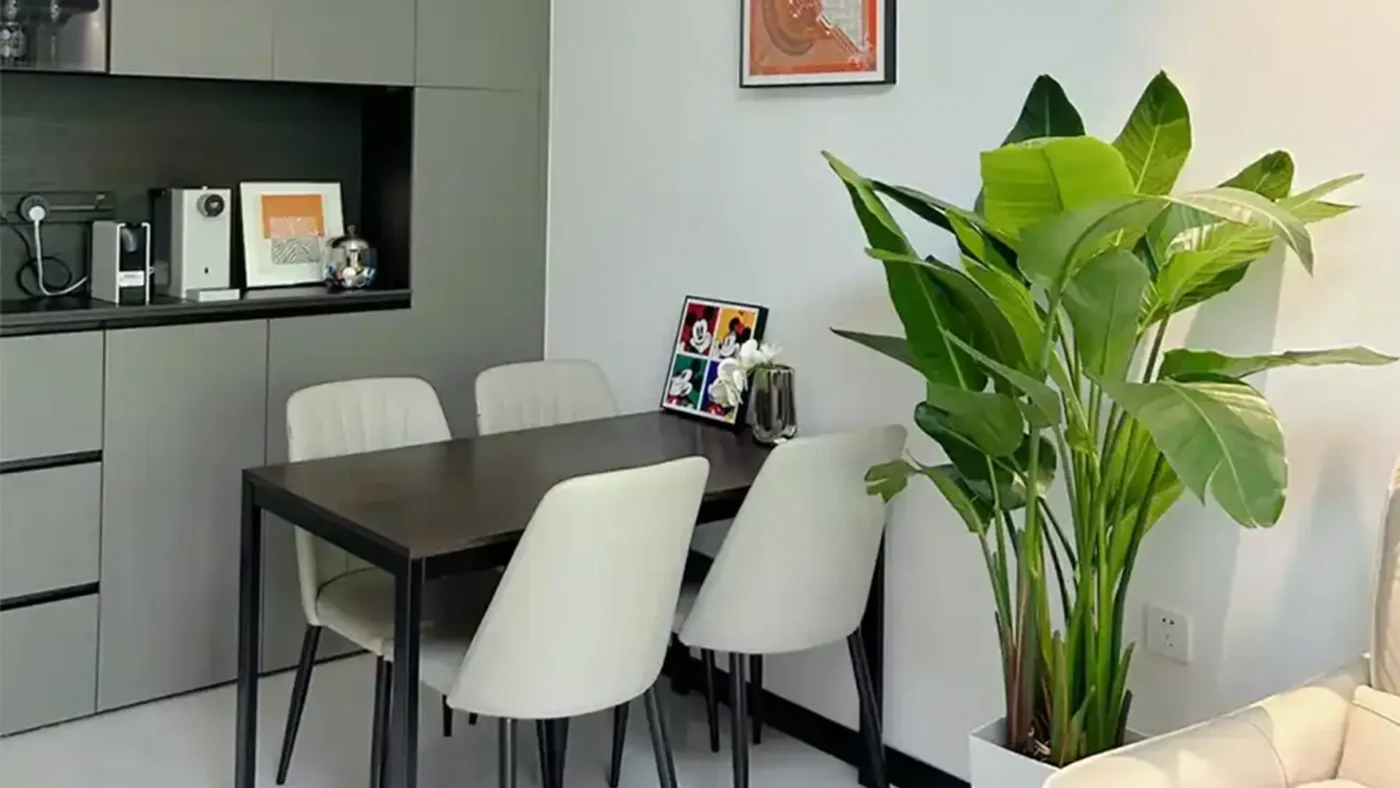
[
  {"x": 695, "y": 402},
  {"x": 888, "y": 42}
]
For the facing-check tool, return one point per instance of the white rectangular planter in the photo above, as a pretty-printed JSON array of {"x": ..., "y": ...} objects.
[{"x": 994, "y": 766}]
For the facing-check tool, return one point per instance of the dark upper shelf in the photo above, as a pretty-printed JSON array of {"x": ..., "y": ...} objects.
[{"x": 71, "y": 313}]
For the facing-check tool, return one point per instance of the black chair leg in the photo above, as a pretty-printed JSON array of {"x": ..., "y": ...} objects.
[
  {"x": 472, "y": 718},
  {"x": 756, "y": 696},
  {"x": 544, "y": 732},
  {"x": 619, "y": 738},
  {"x": 309, "y": 641},
  {"x": 707, "y": 664},
  {"x": 676, "y": 656},
  {"x": 660, "y": 740},
  {"x": 446, "y": 718},
  {"x": 739, "y": 720},
  {"x": 379, "y": 743},
  {"x": 869, "y": 711},
  {"x": 560, "y": 740},
  {"x": 506, "y": 749}
]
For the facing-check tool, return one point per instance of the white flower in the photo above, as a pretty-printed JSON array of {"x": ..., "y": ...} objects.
[
  {"x": 752, "y": 354},
  {"x": 730, "y": 381}
]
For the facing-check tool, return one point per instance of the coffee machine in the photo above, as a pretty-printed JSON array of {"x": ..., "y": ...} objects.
[
  {"x": 121, "y": 262},
  {"x": 194, "y": 237}
]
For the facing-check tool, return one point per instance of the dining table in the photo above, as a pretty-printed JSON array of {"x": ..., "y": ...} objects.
[{"x": 439, "y": 509}]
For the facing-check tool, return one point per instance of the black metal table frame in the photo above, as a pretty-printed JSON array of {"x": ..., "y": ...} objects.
[{"x": 409, "y": 575}]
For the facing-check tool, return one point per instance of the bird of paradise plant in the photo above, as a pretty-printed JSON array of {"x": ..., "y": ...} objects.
[{"x": 1041, "y": 349}]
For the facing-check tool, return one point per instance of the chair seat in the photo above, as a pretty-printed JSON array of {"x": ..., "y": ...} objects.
[{"x": 359, "y": 606}]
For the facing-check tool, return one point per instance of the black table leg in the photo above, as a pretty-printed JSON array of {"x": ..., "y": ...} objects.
[
  {"x": 739, "y": 719},
  {"x": 249, "y": 645},
  {"x": 408, "y": 603}
]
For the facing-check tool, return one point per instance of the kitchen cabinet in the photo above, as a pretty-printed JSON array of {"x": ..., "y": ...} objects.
[
  {"x": 185, "y": 414},
  {"x": 50, "y": 525},
  {"x": 50, "y": 395},
  {"x": 501, "y": 44},
  {"x": 48, "y": 663},
  {"x": 193, "y": 38},
  {"x": 368, "y": 42}
]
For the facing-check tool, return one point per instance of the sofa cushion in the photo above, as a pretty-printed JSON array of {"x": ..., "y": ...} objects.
[
  {"x": 1385, "y": 645},
  {"x": 1335, "y": 784},
  {"x": 1373, "y": 739}
]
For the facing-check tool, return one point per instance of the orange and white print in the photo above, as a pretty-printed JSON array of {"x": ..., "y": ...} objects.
[
  {"x": 295, "y": 227},
  {"x": 837, "y": 39}
]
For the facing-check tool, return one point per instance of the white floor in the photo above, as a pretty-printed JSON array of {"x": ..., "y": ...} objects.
[{"x": 187, "y": 742}]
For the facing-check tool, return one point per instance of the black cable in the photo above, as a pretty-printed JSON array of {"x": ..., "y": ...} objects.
[{"x": 32, "y": 263}]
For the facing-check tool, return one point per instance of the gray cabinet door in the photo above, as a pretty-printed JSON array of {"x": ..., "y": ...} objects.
[
  {"x": 193, "y": 38},
  {"x": 367, "y": 42},
  {"x": 185, "y": 414},
  {"x": 478, "y": 297},
  {"x": 48, "y": 663},
  {"x": 50, "y": 395},
  {"x": 483, "y": 43},
  {"x": 50, "y": 524}
]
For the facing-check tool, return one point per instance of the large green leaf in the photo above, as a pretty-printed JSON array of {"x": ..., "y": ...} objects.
[
  {"x": 1157, "y": 138},
  {"x": 1103, "y": 301},
  {"x": 1218, "y": 435},
  {"x": 919, "y": 300},
  {"x": 1016, "y": 304},
  {"x": 1247, "y": 208},
  {"x": 896, "y": 348},
  {"x": 1271, "y": 176},
  {"x": 990, "y": 479},
  {"x": 1215, "y": 257},
  {"x": 937, "y": 211},
  {"x": 1047, "y": 112},
  {"x": 992, "y": 421},
  {"x": 981, "y": 321},
  {"x": 1053, "y": 250},
  {"x": 957, "y": 491},
  {"x": 1130, "y": 469},
  {"x": 1184, "y": 363},
  {"x": 1027, "y": 182},
  {"x": 1044, "y": 410}
]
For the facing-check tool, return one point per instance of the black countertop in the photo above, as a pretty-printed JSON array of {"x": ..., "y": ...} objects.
[{"x": 20, "y": 317}]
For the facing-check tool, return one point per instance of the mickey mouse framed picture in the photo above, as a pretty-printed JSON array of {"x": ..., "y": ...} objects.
[{"x": 711, "y": 330}]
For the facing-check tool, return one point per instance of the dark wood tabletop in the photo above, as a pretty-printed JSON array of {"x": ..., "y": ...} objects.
[{"x": 447, "y": 498}]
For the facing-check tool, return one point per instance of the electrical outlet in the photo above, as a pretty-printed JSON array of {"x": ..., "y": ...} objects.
[{"x": 1169, "y": 633}]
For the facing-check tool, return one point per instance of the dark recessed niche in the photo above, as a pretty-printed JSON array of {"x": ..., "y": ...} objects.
[{"x": 71, "y": 136}]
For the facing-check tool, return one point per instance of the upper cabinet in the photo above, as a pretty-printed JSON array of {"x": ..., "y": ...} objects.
[
  {"x": 483, "y": 43},
  {"x": 193, "y": 38},
  {"x": 367, "y": 42}
]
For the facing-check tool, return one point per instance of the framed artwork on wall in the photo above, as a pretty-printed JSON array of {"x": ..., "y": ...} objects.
[
  {"x": 286, "y": 231},
  {"x": 710, "y": 331},
  {"x": 788, "y": 43}
]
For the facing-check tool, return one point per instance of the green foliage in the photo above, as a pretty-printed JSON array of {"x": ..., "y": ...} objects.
[{"x": 1040, "y": 353}]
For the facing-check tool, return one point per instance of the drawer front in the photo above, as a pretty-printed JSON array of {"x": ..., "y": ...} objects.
[
  {"x": 50, "y": 395},
  {"x": 48, "y": 663},
  {"x": 49, "y": 528}
]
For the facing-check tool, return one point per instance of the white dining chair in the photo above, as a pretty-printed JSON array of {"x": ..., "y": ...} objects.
[
  {"x": 581, "y": 620},
  {"x": 339, "y": 592},
  {"x": 541, "y": 394},
  {"x": 794, "y": 573}
]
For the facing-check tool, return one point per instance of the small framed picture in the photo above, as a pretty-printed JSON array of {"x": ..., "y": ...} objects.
[
  {"x": 787, "y": 43},
  {"x": 710, "y": 331},
  {"x": 287, "y": 229}
]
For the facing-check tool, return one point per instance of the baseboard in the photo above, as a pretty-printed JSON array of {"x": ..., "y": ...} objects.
[{"x": 828, "y": 736}]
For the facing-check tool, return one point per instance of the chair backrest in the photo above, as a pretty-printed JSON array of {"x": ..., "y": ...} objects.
[
  {"x": 351, "y": 417},
  {"x": 582, "y": 617},
  {"x": 541, "y": 394},
  {"x": 795, "y": 569},
  {"x": 1385, "y": 645}
]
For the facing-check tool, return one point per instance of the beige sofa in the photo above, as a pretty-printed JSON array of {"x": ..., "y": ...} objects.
[{"x": 1292, "y": 740}]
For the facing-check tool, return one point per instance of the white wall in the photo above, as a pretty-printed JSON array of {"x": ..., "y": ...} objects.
[{"x": 667, "y": 179}]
